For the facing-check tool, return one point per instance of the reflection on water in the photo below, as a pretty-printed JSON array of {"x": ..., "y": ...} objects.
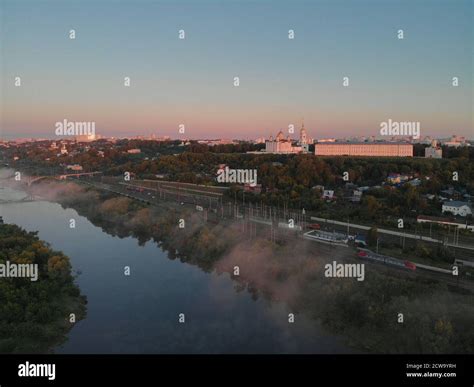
[{"x": 139, "y": 313}]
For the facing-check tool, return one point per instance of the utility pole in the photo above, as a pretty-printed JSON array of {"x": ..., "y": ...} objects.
[{"x": 304, "y": 220}]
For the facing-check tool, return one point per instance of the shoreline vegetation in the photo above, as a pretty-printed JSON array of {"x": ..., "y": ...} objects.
[
  {"x": 35, "y": 317},
  {"x": 436, "y": 318}
]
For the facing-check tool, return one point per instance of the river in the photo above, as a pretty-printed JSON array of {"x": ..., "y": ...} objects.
[{"x": 139, "y": 313}]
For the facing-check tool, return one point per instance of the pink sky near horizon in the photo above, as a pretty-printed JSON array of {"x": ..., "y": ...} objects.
[{"x": 207, "y": 123}]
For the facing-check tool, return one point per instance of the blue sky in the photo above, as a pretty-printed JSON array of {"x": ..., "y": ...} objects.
[{"x": 282, "y": 81}]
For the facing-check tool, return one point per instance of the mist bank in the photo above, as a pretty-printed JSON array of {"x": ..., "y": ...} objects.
[{"x": 388, "y": 312}]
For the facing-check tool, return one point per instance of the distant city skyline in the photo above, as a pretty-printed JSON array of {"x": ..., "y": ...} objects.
[{"x": 191, "y": 81}]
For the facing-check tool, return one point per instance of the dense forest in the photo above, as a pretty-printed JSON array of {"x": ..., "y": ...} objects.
[{"x": 35, "y": 316}]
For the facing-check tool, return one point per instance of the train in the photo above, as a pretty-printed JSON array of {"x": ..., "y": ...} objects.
[
  {"x": 136, "y": 189},
  {"x": 404, "y": 264},
  {"x": 367, "y": 254},
  {"x": 332, "y": 238},
  {"x": 130, "y": 187}
]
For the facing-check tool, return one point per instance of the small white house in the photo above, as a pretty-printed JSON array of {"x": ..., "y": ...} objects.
[
  {"x": 328, "y": 194},
  {"x": 456, "y": 207}
]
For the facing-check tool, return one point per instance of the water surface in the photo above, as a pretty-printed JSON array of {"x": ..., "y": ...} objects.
[{"x": 139, "y": 313}]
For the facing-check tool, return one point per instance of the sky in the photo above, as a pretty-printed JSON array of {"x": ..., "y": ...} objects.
[{"x": 191, "y": 81}]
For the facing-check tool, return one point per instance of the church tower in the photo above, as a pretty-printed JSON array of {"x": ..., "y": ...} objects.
[
  {"x": 303, "y": 135},
  {"x": 303, "y": 143}
]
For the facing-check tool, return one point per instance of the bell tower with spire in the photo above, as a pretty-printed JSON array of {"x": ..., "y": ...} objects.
[
  {"x": 303, "y": 138},
  {"x": 303, "y": 135}
]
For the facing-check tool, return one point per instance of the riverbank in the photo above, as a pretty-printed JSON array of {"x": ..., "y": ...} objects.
[
  {"x": 388, "y": 312},
  {"x": 36, "y": 316},
  {"x": 138, "y": 313}
]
